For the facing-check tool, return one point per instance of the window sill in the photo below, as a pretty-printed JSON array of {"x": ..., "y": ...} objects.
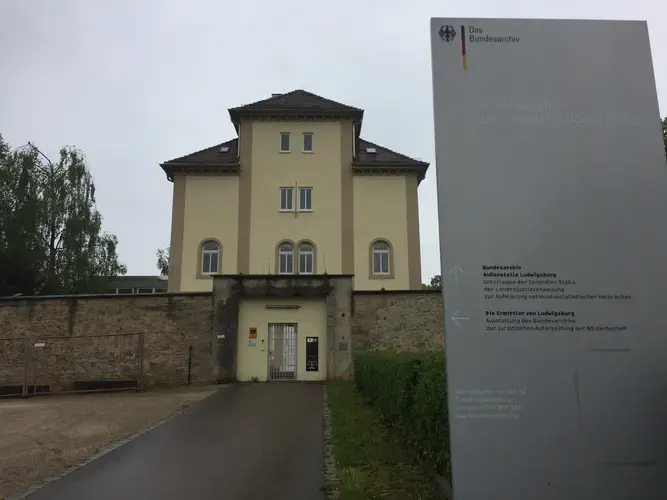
[
  {"x": 306, "y": 211},
  {"x": 286, "y": 211},
  {"x": 307, "y": 152},
  {"x": 284, "y": 152},
  {"x": 381, "y": 277}
]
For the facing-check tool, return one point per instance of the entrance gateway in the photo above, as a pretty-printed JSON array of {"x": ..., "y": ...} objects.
[{"x": 552, "y": 195}]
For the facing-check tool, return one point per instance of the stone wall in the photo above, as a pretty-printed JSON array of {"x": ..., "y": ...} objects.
[
  {"x": 409, "y": 320},
  {"x": 83, "y": 338}
]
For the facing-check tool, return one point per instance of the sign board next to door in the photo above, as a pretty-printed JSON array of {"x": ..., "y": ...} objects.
[
  {"x": 252, "y": 336},
  {"x": 312, "y": 354}
]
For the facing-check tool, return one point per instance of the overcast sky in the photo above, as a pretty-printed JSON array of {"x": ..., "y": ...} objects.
[{"x": 134, "y": 83}]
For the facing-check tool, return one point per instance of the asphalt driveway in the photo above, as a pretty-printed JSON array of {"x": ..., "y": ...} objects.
[{"x": 251, "y": 441}]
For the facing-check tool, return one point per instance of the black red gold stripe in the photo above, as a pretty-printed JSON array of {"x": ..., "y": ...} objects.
[{"x": 463, "y": 48}]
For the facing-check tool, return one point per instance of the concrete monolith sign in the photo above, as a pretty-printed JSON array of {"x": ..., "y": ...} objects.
[{"x": 552, "y": 193}]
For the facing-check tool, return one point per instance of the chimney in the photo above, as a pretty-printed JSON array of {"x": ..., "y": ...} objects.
[{"x": 276, "y": 95}]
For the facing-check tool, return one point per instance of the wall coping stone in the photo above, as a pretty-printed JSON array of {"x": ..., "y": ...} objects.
[
  {"x": 428, "y": 291},
  {"x": 104, "y": 296},
  {"x": 281, "y": 276}
]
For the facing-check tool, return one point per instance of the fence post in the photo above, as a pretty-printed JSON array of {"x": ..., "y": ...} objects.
[
  {"x": 26, "y": 363},
  {"x": 140, "y": 361}
]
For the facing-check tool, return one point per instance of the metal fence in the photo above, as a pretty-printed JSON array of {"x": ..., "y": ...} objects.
[{"x": 92, "y": 363}]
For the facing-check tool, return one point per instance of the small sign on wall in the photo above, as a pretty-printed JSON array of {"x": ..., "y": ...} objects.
[
  {"x": 312, "y": 354},
  {"x": 252, "y": 343},
  {"x": 252, "y": 333}
]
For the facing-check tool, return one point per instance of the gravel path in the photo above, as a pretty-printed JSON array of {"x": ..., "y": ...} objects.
[{"x": 43, "y": 437}]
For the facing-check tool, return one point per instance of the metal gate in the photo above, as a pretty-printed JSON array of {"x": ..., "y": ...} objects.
[{"x": 282, "y": 351}]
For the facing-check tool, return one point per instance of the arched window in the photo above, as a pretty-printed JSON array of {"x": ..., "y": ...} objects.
[
  {"x": 306, "y": 258},
  {"x": 286, "y": 259},
  {"x": 381, "y": 261},
  {"x": 210, "y": 258}
]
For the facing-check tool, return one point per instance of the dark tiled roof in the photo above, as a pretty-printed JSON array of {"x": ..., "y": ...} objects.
[
  {"x": 210, "y": 156},
  {"x": 209, "y": 159},
  {"x": 383, "y": 156},
  {"x": 385, "y": 160},
  {"x": 296, "y": 102}
]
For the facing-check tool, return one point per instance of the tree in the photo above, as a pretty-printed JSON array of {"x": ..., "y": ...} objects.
[
  {"x": 20, "y": 253},
  {"x": 163, "y": 261},
  {"x": 51, "y": 238},
  {"x": 435, "y": 284}
]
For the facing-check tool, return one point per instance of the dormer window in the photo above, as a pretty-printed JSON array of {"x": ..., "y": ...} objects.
[{"x": 371, "y": 151}]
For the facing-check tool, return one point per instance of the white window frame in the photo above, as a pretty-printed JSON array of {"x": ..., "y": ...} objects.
[
  {"x": 286, "y": 208},
  {"x": 307, "y": 253},
  {"x": 303, "y": 190},
  {"x": 381, "y": 252},
  {"x": 289, "y": 142},
  {"x": 312, "y": 142},
  {"x": 214, "y": 255},
  {"x": 283, "y": 252}
]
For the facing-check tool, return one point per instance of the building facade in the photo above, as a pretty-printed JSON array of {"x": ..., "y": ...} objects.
[
  {"x": 297, "y": 192},
  {"x": 127, "y": 285},
  {"x": 282, "y": 223}
]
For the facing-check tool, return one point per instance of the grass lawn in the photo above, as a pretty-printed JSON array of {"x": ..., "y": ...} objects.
[{"x": 372, "y": 461}]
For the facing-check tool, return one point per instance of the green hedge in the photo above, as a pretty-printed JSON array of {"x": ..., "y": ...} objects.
[{"x": 410, "y": 393}]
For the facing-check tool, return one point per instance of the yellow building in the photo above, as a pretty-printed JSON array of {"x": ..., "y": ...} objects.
[{"x": 297, "y": 194}]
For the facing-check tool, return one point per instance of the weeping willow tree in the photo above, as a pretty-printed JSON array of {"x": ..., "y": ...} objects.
[{"x": 51, "y": 237}]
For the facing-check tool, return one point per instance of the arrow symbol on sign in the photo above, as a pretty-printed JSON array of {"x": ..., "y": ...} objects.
[
  {"x": 456, "y": 318},
  {"x": 456, "y": 271}
]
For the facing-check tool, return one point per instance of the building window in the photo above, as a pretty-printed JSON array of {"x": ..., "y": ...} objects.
[
  {"x": 210, "y": 257},
  {"x": 124, "y": 291},
  {"x": 145, "y": 290},
  {"x": 284, "y": 142},
  {"x": 287, "y": 198},
  {"x": 308, "y": 142},
  {"x": 306, "y": 258},
  {"x": 286, "y": 258},
  {"x": 305, "y": 199},
  {"x": 381, "y": 261}
]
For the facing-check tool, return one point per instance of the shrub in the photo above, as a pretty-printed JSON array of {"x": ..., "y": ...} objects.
[{"x": 409, "y": 392}]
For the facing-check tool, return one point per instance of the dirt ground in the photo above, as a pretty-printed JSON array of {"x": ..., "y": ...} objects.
[{"x": 42, "y": 437}]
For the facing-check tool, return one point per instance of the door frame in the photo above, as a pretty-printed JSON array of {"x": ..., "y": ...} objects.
[{"x": 296, "y": 352}]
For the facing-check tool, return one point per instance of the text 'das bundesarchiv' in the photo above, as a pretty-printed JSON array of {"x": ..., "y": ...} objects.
[{"x": 490, "y": 403}]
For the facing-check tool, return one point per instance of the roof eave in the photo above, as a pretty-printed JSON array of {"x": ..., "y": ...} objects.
[
  {"x": 236, "y": 114},
  {"x": 419, "y": 168},
  {"x": 215, "y": 168},
  {"x": 390, "y": 164}
]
